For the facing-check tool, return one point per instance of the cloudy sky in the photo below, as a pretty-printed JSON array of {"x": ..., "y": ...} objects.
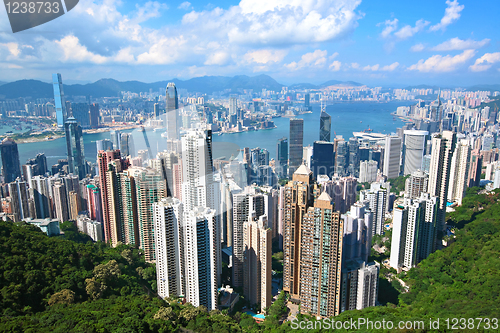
[{"x": 384, "y": 42}]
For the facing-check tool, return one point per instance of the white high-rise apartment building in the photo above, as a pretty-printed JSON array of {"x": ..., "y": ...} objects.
[
  {"x": 413, "y": 150},
  {"x": 244, "y": 203},
  {"x": 169, "y": 247},
  {"x": 443, "y": 147},
  {"x": 459, "y": 170},
  {"x": 414, "y": 231},
  {"x": 416, "y": 184},
  {"x": 359, "y": 285},
  {"x": 392, "y": 155},
  {"x": 378, "y": 198},
  {"x": 197, "y": 170},
  {"x": 368, "y": 171},
  {"x": 202, "y": 257}
]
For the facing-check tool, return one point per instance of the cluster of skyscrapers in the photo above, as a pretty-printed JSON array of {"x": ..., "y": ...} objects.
[{"x": 189, "y": 213}]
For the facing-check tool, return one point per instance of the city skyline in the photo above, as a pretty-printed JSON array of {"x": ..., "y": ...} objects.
[{"x": 395, "y": 43}]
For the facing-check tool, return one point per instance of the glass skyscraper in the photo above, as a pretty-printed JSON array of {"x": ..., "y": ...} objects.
[
  {"x": 11, "y": 168},
  {"x": 172, "y": 112},
  {"x": 74, "y": 144},
  {"x": 59, "y": 101},
  {"x": 296, "y": 144},
  {"x": 282, "y": 157},
  {"x": 325, "y": 126}
]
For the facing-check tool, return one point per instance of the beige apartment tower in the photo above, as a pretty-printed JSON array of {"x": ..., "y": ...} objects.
[
  {"x": 257, "y": 279},
  {"x": 299, "y": 196},
  {"x": 321, "y": 259}
]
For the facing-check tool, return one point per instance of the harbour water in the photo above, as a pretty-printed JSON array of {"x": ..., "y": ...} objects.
[{"x": 346, "y": 118}]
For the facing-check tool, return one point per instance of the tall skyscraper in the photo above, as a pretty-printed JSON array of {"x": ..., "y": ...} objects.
[
  {"x": 416, "y": 184},
  {"x": 197, "y": 170},
  {"x": 104, "y": 158},
  {"x": 358, "y": 223},
  {"x": 104, "y": 145},
  {"x": 156, "y": 111},
  {"x": 354, "y": 158},
  {"x": 169, "y": 247},
  {"x": 321, "y": 259},
  {"x": 392, "y": 155},
  {"x": 413, "y": 150},
  {"x": 378, "y": 202},
  {"x": 11, "y": 168},
  {"x": 282, "y": 157},
  {"x": 459, "y": 172},
  {"x": 127, "y": 147},
  {"x": 359, "y": 284},
  {"x": 115, "y": 137},
  {"x": 296, "y": 144},
  {"x": 61, "y": 202},
  {"x": 257, "y": 268},
  {"x": 233, "y": 105},
  {"x": 443, "y": 147},
  {"x": 323, "y": 159},
  {"x": 172, "y": 113},
  {"x": 81, "y": 112},
  {"x": 414, "y": 229},
  {"x": 202, "y": 255},
  {"x": 307, "y": 101},
  {"x": 299, "y": 196},
  {"x": 245, "y": 203},
  {"x": 368, "y": 171},
  {"x": 325, "y": 126},
  {"x": 94, "y": 115},
  {"x": 74, "y": 144},
  {"x": 150, "y": 188},
  {"x": 476, "y": 164},
  {"x": 342, "y": 158},
  {"x": 59, "y": 101}
]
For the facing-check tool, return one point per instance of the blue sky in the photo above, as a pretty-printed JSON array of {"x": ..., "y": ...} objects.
[{"x": 379, "y": 43}]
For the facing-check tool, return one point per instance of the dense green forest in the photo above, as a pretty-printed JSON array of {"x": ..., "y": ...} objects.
[{"x": 74, "y": 285}]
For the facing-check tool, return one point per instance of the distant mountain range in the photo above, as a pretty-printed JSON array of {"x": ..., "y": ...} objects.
[
  {"x": 204, "y": 85},
  {"x": 325, "y": 84},
  {"x": 111, "y": 87}
]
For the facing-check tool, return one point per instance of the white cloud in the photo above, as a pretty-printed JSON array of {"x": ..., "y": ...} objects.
[
  {"x": 451, "y": 14},
  {"x": 104, "y": 32},
  {"x": 185, "y": 5},
  {"x": 311, "y": 59},
  {"x": 485, "y": 62},
  {"x": 439, "y": 63},
  {"x": 390, "y": 26},
  {"x": 417, "y": 47},
  {"x": 164, "y": 51},
  {"x": 459, "y": 44},
  {"x": 75, "y": 52},
  {"x": 333, "y": 56},
  {"x": 355, "y": 65},
  {"x": 335, "y": 66},
  {"x": 274, "y": 22},
  {"x": 391, "y": 67},
  {"x": 371, "y": 68},
  {"x": 376, "y": 67},
  {"x": 217, "y": 58},
  {"x": 407, "y": 31},
  {"x": 264, "y": 56}
]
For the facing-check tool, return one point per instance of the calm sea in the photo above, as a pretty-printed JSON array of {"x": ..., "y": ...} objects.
[{"x": 346, "y": 118}]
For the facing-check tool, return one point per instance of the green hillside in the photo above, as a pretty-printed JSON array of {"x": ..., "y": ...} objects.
[{"x": 61, "y": 285}]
